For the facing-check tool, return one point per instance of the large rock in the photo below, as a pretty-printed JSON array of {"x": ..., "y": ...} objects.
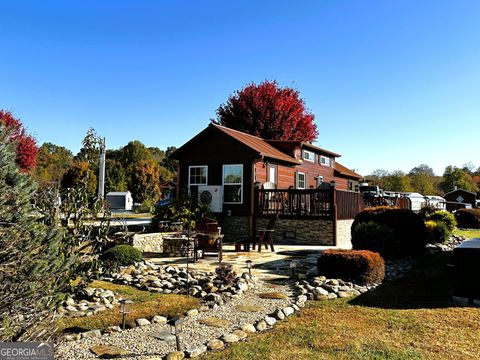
[
  {"x": 164, "y": 336},
  {"x": 319, "y": 291},
  {"x": 250, "y": 308},
  {"x": 192, "y": 312},
  {"x": 161, "y": 320},
  {"x": 230, "y": 338},
  {"x": 215, "y": 344},
  {"x": 240, "y": 334},
  {"x": 288, "y": 311},
  {"x": 345, "y": 294},
  {"x": 215, "y": 322},
  {"x": 279, "y": 315},
  {"x": 270, "y": 320},
  {"x": 273, "y": 295},
  {"x": 112, "y": 329},
  {"x": 248, "y": 328},
  {"x": 108, "y": 351},
  {"x": 142, "y": 322},
  {"x": 176, "y": 355},
  {"x": 196, "y": 351},
  {"x": 261, "y": 325},
  {"x": 91, "y": 334}
]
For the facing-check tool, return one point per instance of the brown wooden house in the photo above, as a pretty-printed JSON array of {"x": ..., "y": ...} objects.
[
  {"x": 461, "y": 197},
  {"x": 237, "y": 162}
]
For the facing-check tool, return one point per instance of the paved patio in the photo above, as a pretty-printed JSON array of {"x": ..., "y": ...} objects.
[{"x": 266, "y": 264}]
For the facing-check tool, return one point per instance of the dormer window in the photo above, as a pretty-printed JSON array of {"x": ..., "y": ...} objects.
[
  {"x": 325, "y": 160},
  {"x": 308, "y": 155}
]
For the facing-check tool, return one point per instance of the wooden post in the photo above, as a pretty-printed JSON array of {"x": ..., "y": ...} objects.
[
  {"x": 177, "y": 195},
  {"x": 334, "y": 215},
  {"x": 253, "y": 205}
]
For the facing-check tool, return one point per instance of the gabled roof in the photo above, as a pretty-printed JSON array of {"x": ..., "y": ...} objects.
[
  {"x": 303, "y": 144},
  {"x": 259, "y": 145},
  {"x": 450, "y": 192},
  {"x": 346, "y": 171}
]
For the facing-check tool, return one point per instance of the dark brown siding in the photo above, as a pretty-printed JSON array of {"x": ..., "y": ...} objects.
[
  {"x": 216, "y": 151},
  {"x": 468, "y": 197}
]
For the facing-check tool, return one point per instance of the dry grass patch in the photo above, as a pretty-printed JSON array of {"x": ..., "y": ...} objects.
[
  {"x": 145, "y": 305},
  {"x": 410, "y": 319}
]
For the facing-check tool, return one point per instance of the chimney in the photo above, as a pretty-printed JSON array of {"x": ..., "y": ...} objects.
[{"x": 455, "y": 188}]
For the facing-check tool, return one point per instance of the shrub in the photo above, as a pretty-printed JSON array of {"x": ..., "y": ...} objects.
[
  {"x": 359, "y": 266},
  {"x": 409, "y": 234},
  {"x": 426, "y": 211},
  {"x": 445, "y": 217},
  {"x": 438, "y": 231},
  {"x": 468, "y": 218},
  {"x": 121, "y": 255},
  {"x": 179, "y": 210},
  {"x": 372, "y": 236}
]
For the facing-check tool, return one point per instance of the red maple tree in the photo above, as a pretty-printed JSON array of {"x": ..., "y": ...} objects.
[
  {"x": 27, "y": 149},
  {"x": 268, "y": 111}
]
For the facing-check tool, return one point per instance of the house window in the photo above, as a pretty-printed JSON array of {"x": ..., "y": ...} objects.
[
  {"x": 324, "y": 160},
  {"x": 308, "y": 155},
  {"x": 272, "y": 174},
  {"x": 232, "y": 184},
  {"x": 301, "y": 180},
  {"x": 350, "y": 185},
  {"x": 197, "y": 175}
]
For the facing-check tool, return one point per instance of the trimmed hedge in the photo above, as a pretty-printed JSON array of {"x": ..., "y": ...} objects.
[
  {"x": 438, "y": 231},
  {"x": 445, "y": 217},
  {"x": 468, "y": 218},
  {"x": 122, "y": 255},
  {"x": 404, "y": 232},
  {"x": 359, "y": 266}
]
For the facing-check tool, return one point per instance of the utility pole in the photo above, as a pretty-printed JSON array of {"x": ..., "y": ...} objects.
[{"x": 101, "y": 171}]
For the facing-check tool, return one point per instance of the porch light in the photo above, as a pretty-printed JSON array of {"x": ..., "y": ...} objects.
[
  {"x": 124, "y": 310},
  {"x": 178, "y": 325},
  {"x": 293, "y": 266},
  {"x": 249, "y": 267}
]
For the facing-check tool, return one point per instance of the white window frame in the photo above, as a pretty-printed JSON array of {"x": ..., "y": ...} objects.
[
  {"x": 310, "y": 153},
  {"x": 298, "y": 180},
  {"x": 198, "y": 166},
  {"x": 327, "y": 158},
  {"x": 241, "y": 184}
]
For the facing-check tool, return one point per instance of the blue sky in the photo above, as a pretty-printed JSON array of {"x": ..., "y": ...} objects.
[{"x": 392, "y": 83}]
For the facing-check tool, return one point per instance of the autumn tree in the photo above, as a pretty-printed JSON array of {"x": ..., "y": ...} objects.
[
  {"x": 115, "y": 176},
  {"x": 81, "y": 175},
  {"x": 146, "y": 182},
  {"x": 25, "y": 145},
  {"x": 52, "y": 164},
  {"x": 268, "y": 111}
]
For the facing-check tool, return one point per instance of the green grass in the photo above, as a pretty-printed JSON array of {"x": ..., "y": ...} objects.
[
  {"x": 469, "y": 234},
  {"x": 145, "y": 305},
  {"x": 410, "y": 319}
]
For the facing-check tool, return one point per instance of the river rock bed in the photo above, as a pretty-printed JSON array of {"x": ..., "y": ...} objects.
[{"x": 246, "y": 312}]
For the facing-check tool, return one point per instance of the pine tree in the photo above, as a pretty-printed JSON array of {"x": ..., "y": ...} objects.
[{"x": 35, "y": 263}]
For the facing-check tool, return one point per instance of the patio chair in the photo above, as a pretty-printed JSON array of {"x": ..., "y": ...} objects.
[
  {"x": 208, "y": 243},
  {"x": 265, "y": 236}
]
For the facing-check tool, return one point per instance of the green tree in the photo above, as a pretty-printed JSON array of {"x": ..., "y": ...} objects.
[
  {"x": 81, "y": 174},
  {"x": 454, "y": 176},
  {"x": 169, "y": 163},
  {"x": 423, "y": 180},
  {"x": 115, "y": 176}
]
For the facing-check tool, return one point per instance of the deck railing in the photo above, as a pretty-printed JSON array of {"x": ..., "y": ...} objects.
[{"x": 295, "y": 203}]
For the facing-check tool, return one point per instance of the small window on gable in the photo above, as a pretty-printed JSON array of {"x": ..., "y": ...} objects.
[
  {"x": 301, "y": 180},
  {"x": 325, "y": 160},
  {"x": 308, "y": 155}
]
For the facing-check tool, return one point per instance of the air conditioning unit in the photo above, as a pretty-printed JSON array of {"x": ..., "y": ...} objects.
[{"x": 212, "y": 197}]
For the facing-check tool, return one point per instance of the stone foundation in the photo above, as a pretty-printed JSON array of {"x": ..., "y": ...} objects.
[
  {"x": 302, "y": 231},
  {"x": 234, "y": 228},
  {"x": 344, "y": 236}
]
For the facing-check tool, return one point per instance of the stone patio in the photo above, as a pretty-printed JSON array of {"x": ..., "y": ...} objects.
[{"x": 266, "y": 264}]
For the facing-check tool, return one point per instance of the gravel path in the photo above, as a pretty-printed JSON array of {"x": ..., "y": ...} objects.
[{"x": 142, "y": 346}]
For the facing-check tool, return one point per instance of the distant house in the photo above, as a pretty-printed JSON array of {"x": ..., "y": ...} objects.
[
  {"x": 460, "y": 197},
  {"x": 231, "y": 163},
  {"x": 120, "y": 200}
]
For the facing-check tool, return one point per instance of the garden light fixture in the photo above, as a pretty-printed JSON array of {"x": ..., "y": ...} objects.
[
  {"x": 249, "y": 267},
  {"x": 293, "y": 266},
  {"x": 178, "y": 325},
  {"x": 123, "y": 310}
]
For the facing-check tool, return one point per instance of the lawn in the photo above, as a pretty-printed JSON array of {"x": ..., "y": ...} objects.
[
  {"x": 410, "y": 319},
  {"x": 146, "y": 304},
  {"x": 469, "y": 234}
]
